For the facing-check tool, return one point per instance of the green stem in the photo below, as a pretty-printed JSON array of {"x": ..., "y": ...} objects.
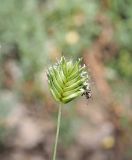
[{"x": 57, "y": 133}]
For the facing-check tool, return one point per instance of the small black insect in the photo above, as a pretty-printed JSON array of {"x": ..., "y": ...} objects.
[{"x": 87, "y": 93}]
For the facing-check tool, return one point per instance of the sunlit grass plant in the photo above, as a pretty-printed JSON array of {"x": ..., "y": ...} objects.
[{"x": 67, "y": 80}]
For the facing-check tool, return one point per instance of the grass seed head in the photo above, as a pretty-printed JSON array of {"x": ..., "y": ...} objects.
[{"x": 67, "y": 80}]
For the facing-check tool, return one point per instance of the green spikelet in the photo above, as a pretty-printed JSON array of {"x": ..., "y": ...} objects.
[{"x": 67, "y": 80}]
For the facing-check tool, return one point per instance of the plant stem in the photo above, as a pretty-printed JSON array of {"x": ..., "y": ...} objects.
[{"x": 57, "y": 133}]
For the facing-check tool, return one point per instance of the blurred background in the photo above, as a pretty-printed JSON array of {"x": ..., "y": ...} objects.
[{"x": 33, "y": 33}]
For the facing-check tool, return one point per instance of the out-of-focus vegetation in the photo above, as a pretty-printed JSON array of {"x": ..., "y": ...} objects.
[
  {"x": 41, "y": 29},
  {"x": 121, "y": 15},
  {"x": 33, "y": 33}
]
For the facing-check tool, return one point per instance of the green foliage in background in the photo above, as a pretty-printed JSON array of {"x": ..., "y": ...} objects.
[
  {"x": 42, "y": 29},
  {"x": 21, "y": 25},
  {"x": 39, "y": 29},
  {"x": 120, "y": 12},
  {"x": 8, "y": 103},
  {"x": 72, "y": 24}
]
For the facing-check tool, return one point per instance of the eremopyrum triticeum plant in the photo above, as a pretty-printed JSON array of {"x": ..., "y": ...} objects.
[{"x": 67, "y": 80}]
